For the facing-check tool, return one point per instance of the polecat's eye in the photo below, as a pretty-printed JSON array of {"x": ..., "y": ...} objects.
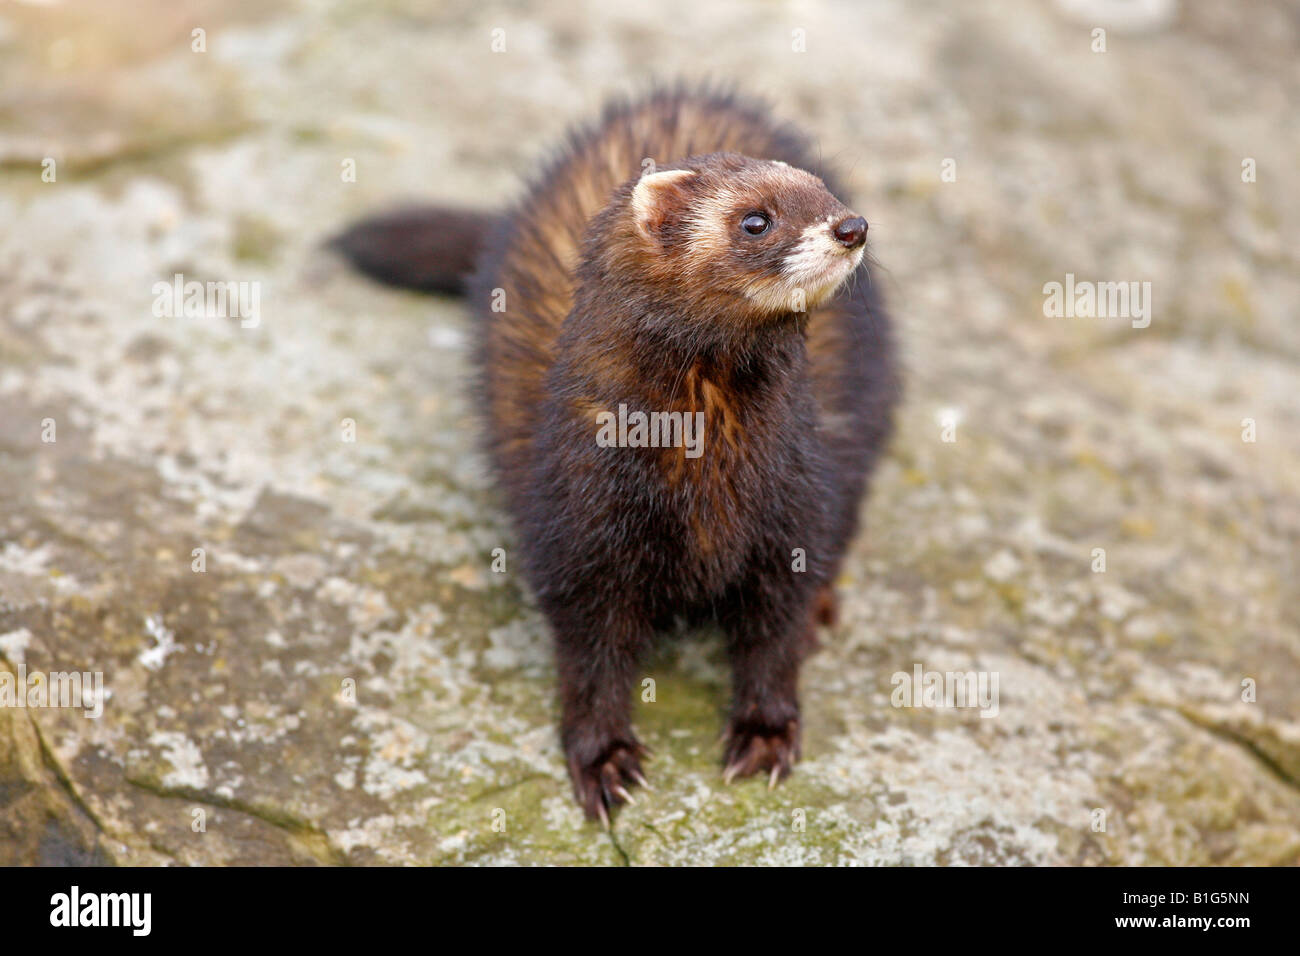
[{"x": 755, "y": 223}]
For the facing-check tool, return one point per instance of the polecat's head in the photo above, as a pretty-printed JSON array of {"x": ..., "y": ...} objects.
[{"x": 758, "y": 236}]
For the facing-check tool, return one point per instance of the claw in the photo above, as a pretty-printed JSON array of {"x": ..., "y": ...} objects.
[
  {"x": 770, "y": 750},
  {"x": 602, "y": 784},
  {"x": 641, "y": 781}
]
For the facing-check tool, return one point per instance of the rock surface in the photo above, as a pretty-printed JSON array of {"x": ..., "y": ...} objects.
[{"x": 306, "y": 656}]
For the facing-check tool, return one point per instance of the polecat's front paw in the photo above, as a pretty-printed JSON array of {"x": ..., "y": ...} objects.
[
  {"x": 602, "y": 783},
  {"x": 754, "y": 747}
]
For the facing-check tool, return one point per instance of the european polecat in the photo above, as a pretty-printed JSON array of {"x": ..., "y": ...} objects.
[{"x": 684, "y": 260}]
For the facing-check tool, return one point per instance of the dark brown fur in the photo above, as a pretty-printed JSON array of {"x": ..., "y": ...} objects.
[
  {"x": 620, "y": 542},
  {"x": 430, "y": 249}
]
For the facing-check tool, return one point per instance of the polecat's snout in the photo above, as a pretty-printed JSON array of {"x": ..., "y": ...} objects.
[{"x": 851, "y": 232}]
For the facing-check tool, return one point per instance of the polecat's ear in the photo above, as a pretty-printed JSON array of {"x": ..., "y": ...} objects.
[{"x": 657, "y": 196}]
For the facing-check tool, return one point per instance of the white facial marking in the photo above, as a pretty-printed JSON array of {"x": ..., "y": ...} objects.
[
  {"x": 816, "y": 267},
  {"x": 816, "y": 246},
  {"x": 811, "y": 273}
]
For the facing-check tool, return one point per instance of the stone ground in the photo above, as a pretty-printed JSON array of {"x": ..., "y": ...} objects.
[{"x": 327, "y": 561}]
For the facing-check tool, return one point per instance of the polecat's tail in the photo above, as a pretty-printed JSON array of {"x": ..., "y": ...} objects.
[{"x": 429, "y": 248}]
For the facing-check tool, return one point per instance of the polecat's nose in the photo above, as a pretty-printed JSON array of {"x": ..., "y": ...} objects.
[{"x": 851, "y": 232}]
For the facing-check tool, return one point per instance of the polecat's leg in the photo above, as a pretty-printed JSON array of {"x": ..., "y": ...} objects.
[
  {"x": 597, "y": 653},
  {"x": 768, "y": 632}
]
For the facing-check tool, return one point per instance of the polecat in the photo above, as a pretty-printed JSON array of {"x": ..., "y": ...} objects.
[{"x": 684, "y": 254}]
